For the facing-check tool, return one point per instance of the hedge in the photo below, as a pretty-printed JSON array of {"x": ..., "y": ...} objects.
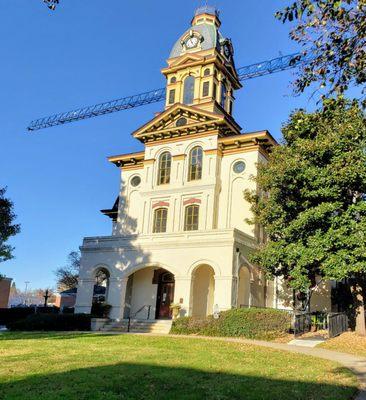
[
  {"x": 250, "y": 323},
  {"x": 52, "y": 322},
  {"x": 8, "y": 315}
]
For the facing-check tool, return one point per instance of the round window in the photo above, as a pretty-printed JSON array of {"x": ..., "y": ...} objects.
[
  {"x": 181, "y": 122},
  {"x": 135, "y": 181},
  {"x": 239, "y": 167}
]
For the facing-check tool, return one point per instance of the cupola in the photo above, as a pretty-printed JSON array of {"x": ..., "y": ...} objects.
[{"x": 201, "y": 70}]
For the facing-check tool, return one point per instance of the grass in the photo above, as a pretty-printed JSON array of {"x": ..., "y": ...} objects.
[
  {"x": 348, "y": 342},
  {"x": 103, "y": 367}
]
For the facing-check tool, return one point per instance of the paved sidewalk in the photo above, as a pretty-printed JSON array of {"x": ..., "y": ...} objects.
[{"x": 356, "y": 364}]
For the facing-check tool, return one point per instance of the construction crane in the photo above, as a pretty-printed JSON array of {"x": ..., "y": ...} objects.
[
  {"x": 154, "y": 96},
  {"x": 51, "y": 4}
]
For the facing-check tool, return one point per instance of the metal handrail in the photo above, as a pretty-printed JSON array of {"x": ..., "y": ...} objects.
[{"x": 148, "y": 306}]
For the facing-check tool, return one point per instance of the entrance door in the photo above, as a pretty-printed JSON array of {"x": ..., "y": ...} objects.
[{"x": 165, "y": 296}]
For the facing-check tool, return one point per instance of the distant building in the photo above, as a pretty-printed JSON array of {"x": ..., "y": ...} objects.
[
  {"x": 67, "y": 298},
  {"x": 5, "y": 284}
]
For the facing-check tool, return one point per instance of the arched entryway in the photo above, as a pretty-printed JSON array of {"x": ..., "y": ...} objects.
[
  {"x": 149, "y": 294},
  {"x": 203, "y": 290}
]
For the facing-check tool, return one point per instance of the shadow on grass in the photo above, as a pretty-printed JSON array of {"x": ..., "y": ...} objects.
[
  {"x": 42, "y": 335},
  {"x": 151, "y": 381}
]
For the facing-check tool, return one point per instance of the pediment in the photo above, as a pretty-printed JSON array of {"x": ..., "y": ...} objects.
[
  {"x": 177, "y": 118},
  {"x": 187, "y": 59}
]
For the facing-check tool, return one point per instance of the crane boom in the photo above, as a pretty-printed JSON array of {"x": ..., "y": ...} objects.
[{"x": 248, "y": 72}]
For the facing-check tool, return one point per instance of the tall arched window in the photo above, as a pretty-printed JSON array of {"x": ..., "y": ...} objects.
[
  {"x": 101, "y": 285},
  {"x": 165, "y": 163},
  {"x": 160, "y": 219},
  {"x": 195, "y": 164},
  {"x": 223, "y": 95},
  {"x": 188, "y": 92},
  {"x": 191, "y": 218}
]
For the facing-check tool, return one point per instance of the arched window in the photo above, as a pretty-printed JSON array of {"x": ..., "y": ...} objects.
[
  {"x": 191, "y": 218},
  {"x": 195, "y": 164},
  {"x": 188, "y": 92},
  {"x": 160, "y": 219},
  {"x": 223, "y": 95},
  {"x": 165, "y": 163},
  {"x": 173, "y": 80},
  {"x": 206, "y": 72},
  {"x": 101, "y": 285}
]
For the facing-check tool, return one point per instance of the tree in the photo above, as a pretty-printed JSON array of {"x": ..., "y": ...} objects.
[
  {"x": 313, "y": 208},
  {"x": 67, "y": 276},
  {"x": 333, "y": 34},
  {"x": 7, "y": 227}
]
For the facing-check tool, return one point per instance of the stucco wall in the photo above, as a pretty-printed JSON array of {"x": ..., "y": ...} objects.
[
  {"x": 203, "y": 291},
  {"x": 143, "y": 293}
]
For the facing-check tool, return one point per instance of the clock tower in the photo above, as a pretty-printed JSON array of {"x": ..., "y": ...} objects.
[{"x": 201, "y": 70}]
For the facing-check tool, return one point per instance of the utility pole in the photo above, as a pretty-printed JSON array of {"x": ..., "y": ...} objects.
[{"x": 26, "y": 292}]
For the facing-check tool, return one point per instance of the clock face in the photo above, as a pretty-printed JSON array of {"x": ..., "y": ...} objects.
[{"x": 191, "y": 42}]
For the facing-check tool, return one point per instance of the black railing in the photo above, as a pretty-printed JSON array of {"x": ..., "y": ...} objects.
[
  {"x": 302, "y": 323},
  {"x": 146, "y": 306},
  {"x": 337, "y": 324}
]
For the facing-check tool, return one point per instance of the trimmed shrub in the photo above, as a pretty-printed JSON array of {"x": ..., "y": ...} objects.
[
  {"x": 8, "y": 315},
  {"x": 68, "y": 310},
  {"x": 101, "y": 310},
  {"x": 250, "y": 323},
  {"x": 52, "y": 322}
]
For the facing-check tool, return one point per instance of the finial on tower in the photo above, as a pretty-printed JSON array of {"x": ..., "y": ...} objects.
[{"x": 206, "y": 13}]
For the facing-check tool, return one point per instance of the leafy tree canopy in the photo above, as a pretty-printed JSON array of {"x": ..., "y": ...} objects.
[
  {"x": 314, "y": 209},
  {"x": 67, "y": 276},
  {"x": 333, "y": 33},
  {"x": 7, "y": 227}
]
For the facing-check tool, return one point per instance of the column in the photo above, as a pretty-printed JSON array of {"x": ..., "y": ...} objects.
[
  {"x": 224, "y": 292},
  {"x": 84, "y": 296},
  {"x": 182, "y": 294},
  {"x": 116, "y": 297}
]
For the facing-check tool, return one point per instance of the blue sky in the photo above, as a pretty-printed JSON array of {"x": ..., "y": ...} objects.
[{"x": 89, "y": 51}]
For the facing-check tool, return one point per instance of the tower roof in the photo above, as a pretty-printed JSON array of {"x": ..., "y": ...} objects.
[
  {"x": 206, "y": 24},
  {"x": 211, "y": 38},
  {"x": 211, "y": 10}
]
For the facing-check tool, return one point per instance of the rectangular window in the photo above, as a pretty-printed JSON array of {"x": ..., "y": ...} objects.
[
  {"x": 160, "y": 219},
  {"x": 230, "y": 107},
  {"x": 214, "y": 91},
  {"x": 191, "y": 218},
  {"x": 206, "y": 89},
  {"x": 172, "y": 96}
]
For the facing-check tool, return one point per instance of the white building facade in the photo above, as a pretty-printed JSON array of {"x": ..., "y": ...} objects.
[{"x": 180, "y": 231}]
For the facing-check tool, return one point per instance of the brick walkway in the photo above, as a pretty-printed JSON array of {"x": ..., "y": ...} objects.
[{"x": 356, "y": 364}]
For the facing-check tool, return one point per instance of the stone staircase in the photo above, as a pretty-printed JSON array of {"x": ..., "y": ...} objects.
[{"x": 159, "y": 326}]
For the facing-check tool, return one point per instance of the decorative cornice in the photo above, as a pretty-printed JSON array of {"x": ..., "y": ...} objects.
[
  {"x": 261, "y": 141},
  {"x": 131, "y": 160},
  {"x": 192, "y": 201},
  {"x": 160, "y": 204}
]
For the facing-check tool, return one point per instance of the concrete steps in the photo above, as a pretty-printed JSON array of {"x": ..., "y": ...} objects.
[{"x": 139, "y": 326}]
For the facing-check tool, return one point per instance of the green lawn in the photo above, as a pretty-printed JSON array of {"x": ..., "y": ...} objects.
[{"x": 104, "y": 367}]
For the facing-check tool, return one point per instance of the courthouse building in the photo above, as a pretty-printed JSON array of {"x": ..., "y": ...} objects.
[{"x": 180, "y": 232}]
